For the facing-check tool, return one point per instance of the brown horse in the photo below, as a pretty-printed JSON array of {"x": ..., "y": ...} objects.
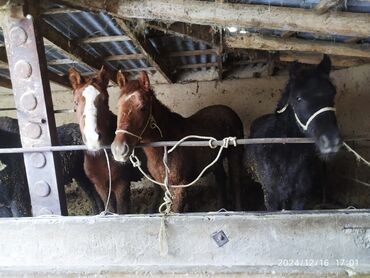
[
  {"x": 138, "y": 109},
  {"x": 97, "y": 125}
]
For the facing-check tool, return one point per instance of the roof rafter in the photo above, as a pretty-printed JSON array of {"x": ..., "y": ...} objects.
[
  {"x": 72, "y": 50},
  {"x": 147, "y": 49},
  {"x": 325, "y": 5}
]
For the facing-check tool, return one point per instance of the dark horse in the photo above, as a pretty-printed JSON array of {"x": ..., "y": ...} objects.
[
  {"x": 13, "y": 182},
  {"x": 306, "y": 109},
  {"x": 143, "y": 118},
  {"x": 14, "y": 195},
  {"x": 97, "y": 125}
]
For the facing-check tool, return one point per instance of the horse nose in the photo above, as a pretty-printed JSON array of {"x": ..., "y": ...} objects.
[
  {"x": 324, "y": 141},
  {"x": 99, "y": 136},
  {"x": 120, "y": 151},
  {"x": 330, "y": 145}
]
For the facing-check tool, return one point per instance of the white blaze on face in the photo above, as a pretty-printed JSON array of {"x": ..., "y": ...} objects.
[{"x": 90, "y": 115}]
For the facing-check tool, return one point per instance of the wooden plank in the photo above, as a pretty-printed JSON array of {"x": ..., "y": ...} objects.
[
  {"x": 104, "y": 39},
  {"x": 314, "y": 58},
  {"x": 194, "y": 32},
  {"x": 201, "y": 65},
  {"x": 72, "y": 50},
  {"x": 147, "y": 49},
  {"x": 125, "y": 57},
  {"x": 238, "y": 15},
  {"x": 60, "y": 62},
  {"x": 193, "y": 52},
  {"x": 325, "y": 5},
  {"x": 60, "y": 11},
  {"x": 257, "y": 41}
]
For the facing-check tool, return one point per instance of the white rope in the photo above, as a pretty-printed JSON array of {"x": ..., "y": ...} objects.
[
  {"x": 127, "y": 132},
  {"x": 313, "y": 116},
  {"x": 105, "y": 212},
  {"x": 164, "y": 209},
  {"x": 358, "y": 157},
  {"x": 226, "y": 142}
]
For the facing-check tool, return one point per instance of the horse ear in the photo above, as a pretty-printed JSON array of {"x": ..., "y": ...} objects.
[
  {"x": 294, "y": 70},
  {"x": 103, "y": 77},
  {"x": 121, "y": 79},
  {"x": 74, "y": 78},
  {"x": 144, "y": 81},
  {"x": 325, "y": 65}
]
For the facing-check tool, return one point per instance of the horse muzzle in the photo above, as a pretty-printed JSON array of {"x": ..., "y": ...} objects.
[
  {"x": 121, "y": 152},
  {"x": 329, "y": 145}
]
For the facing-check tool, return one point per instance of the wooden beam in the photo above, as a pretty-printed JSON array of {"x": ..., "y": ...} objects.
[
  {"x": 104, "y": 39},
  {"x": 194, "y": 32},
  {"x": 238, "y": 15},
  {"x": 147, "y": 49},
  {"x": 72, "y": 50},
  {"x": 257, "y": 41},
  {"x": 125, "y": 57},
  {"x": 325, "y": 5},
  {"x": 5, "y": 82},
  {"x": 192, "y": 52},
  {"x": 314, "y": 58},
  {"x": 220, "y": 52},
  {"x": 287, "y": 34}
]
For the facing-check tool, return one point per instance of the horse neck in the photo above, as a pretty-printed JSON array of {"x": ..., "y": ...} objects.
[
  {"x": 169, "y": 123},
  {"x": 110, "y": 121}
]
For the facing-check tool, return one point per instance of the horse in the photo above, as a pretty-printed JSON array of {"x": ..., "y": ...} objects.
[
  {"x": 14, "y": 195},
  {"x": 71, "y": 162},
  {"x": 143, "y": 118},
  {"x": 288, "y": 172},
  {"x": 97, "y": 125}
]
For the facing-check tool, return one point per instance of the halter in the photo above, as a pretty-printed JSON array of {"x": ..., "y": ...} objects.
[
  {"x": 313, "y": 116},
  {"x": 150, "y": 122}
]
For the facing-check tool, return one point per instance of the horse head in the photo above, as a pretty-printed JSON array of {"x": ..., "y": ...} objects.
[
  {"x": 135, "y": 116},
  {"x": 310, "y": 94},
  {"x": 91, "y": 101}
]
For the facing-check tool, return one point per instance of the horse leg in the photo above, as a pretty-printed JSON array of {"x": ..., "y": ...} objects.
[
  {"x": 178, "y": 196},
  {"x": 122, "y": 193},
  {"x": 235, "y": 162},
  {"x": 220, "y": 176},
  {"x": 91, "y": 192},
  {"x": 103, "y": 193},
  {"x": 157, "y": 194}
]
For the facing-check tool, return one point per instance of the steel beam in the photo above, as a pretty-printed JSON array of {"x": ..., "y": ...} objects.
[{"x": 28, "y": 71}]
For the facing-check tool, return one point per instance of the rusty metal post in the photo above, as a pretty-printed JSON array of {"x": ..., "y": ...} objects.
[{"x": 31, "y": 89}]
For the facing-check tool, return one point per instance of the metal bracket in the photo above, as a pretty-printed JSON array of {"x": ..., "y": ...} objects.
[{"x": 220, "y": 238}]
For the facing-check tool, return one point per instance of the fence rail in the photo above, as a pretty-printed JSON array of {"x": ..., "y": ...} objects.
[{"x": 201, "y": 143}]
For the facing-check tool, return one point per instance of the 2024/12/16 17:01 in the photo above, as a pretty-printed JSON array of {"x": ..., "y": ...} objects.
[{"x": 318, "y": 262}]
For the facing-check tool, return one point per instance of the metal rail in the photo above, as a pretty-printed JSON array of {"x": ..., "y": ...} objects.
[{"x": 203, "y": 143}]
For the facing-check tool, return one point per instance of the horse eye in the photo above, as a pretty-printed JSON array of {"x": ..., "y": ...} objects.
[
  {"x": 299, "y": 99},
  {"x": 143, "y": 108}
]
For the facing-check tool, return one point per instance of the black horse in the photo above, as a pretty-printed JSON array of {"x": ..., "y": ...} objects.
[
  {"x": 306, "y": 109},
  {"x": 14, "y": 195}
]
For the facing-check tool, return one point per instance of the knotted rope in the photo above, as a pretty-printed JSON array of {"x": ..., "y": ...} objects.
[{"x": 165, "y": 207}]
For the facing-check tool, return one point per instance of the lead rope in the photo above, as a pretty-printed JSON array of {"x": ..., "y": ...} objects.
[
  {"x": 164, "y": 208},
  {"x": 358, "y": 157},
  {"x": 105, "y": 212}
]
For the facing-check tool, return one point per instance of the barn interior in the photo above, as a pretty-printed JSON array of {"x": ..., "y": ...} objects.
[{"x": 199, "y": 53}]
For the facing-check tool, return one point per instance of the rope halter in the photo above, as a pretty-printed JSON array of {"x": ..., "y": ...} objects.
[
  {"x": 151, "y": 122},
  {"x": 310, "y": 119}
]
